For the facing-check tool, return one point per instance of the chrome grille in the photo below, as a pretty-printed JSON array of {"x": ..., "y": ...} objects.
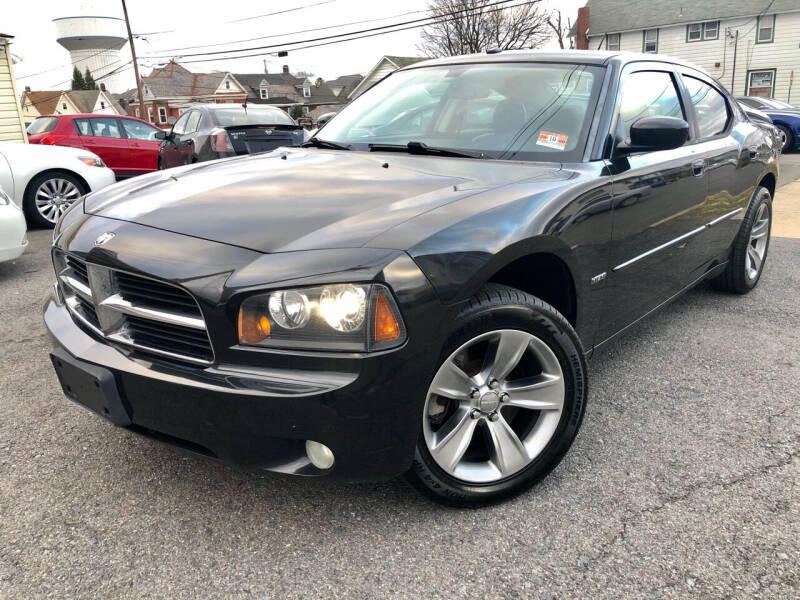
[{"x": 143, "y": 313}]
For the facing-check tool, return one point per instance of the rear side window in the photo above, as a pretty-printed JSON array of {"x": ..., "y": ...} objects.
[
  {"x": 82, "y": 126},
  {"x": 709, "y": 106},
  {"x": 106, "y": 128},
  {"x": 647, "y": 94},
  {"x": 138, "y": 131},
  {"x": 42, "y": 125}
]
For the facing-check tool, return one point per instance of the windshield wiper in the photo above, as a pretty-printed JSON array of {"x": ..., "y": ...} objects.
[
  {"x": 315, "y": 142},
  {"x": 423, "y": 149}
]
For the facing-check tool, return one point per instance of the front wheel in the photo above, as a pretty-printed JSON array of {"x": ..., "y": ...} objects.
[
  {"x": 505, "y": 403},
  {"x": 48, "y": 196}
]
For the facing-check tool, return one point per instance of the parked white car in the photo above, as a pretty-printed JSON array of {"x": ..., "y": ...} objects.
[
  {"x": 12, "y": 229},
  {"x": 44, "y": 180}
]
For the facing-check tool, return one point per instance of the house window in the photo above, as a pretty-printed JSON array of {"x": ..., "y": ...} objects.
[
  {"x": 162, "y": 114},
  {"x": 227, "y": 85},
  {"x": 137, "y": 111},
  {"x": 765, "y": 30},
  {"x": 696, "y": 32},
  {"x": 63, "y": 106},
  {"x": 150, "y": 113},
  {"x": 102, "y": 105},
  {"x": 612, "y": 41},
  {"x": 650, "y": 41},
  {"x": 306, "y": 92},
  {"x": 264, "y": 93},
  {"x": 761, "y": 83}
]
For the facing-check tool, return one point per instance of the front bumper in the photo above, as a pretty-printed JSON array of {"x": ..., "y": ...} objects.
[{"x": 367, "y": 415}]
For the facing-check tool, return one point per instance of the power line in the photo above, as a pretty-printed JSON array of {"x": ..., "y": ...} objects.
[
  {"x": 339, "y": 41},
  {"x": 99, "y": 78},
  {"x": 280, "y": 12},
  {"x": 433, "y": 19}
]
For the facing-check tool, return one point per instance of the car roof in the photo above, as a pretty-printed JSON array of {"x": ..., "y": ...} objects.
[
  {"x": 228, "y": 105},
  {"x": 92, "y": 115},
  {"x": 581, "y": 57}
]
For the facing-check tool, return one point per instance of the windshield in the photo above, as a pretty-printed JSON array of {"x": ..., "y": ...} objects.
[
  {"x": 521, "y": 111},
  {"x": 42, "y": 125},
  {"x": 771, "y": 102},
  {"x": 252, "y": 115}
]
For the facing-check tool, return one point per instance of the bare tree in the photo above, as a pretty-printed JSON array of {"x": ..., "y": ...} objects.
[
  {"x": 560, "y": 28},
  {"x": 469, "y": 26}
]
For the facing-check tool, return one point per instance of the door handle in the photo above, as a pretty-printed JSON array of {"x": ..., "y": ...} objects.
[{"x": 698, "y": 167}]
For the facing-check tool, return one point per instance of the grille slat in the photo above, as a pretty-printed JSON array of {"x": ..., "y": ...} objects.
[{"x": 145, "y": 333}]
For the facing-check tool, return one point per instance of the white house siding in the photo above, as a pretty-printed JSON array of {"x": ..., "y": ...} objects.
[
  {"x": 12, "y": 128},
  {"x": 382, "y": 70},
  {"x": 783, "y": 54}
]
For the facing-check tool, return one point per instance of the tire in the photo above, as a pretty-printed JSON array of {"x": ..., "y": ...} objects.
[
  {"x": 752, "y": 241},
  {"x": 160, "y": 165},
  {"x": 497, "y": 319},
  {"x": 48, "y": 195},
  {"x": 788, "y": 142}
]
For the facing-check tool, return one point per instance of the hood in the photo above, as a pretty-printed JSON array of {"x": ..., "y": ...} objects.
[
  {"x": 27, "y": 152},
  {"x": 302, "y": 199}
]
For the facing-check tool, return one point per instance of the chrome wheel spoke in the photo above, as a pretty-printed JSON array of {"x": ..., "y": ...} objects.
[
  {"x": 453, "y": 439},
  {"x": 507, "y": 451},
  {"x": 543, "y": 392},
  {"x": 451, "y": 382},
  {"x": 760, "y": 230},
  {"x": 754, "y": 259},
  {"x": 505, "y": 354}
]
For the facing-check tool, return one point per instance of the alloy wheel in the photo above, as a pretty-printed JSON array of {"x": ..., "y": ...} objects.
[
  {"x": 493, "y": 406},
  {"x": 54, "y": 197},
  {"x": 757, "y": 248}
]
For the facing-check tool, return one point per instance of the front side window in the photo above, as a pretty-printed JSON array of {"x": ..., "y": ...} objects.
[
  {"x": 139, "y": 131},
  {"x": 650, "y": 41},
  {"x": 647, "y": 94},
  {"x": 710, "y": 107},
  {"x": 105, "y": 128},
  {"x": 497, "y": 110},
  {"x": 765, "y": 29},
  {"x": 612, "y": 41},
  {"x": 180, "y": 125}
]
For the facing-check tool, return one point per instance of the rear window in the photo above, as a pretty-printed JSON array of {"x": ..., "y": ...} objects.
[
  {"x": 42, "y": 125},
  {"x": 252, "y": 115}
]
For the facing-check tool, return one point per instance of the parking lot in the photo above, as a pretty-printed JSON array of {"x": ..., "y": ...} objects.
[{"x": 683, "y": 482}]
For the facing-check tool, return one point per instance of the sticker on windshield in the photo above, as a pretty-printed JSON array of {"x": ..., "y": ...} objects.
[{"x": 552, "y": 140}]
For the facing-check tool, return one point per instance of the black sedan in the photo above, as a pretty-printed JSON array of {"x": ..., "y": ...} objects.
[
  {"x": 417, "y": 290},
  {"x": 209, "y": 131}
]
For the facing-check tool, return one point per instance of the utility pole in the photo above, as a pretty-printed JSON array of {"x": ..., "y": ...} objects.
[{"x": 142, "y": 111}]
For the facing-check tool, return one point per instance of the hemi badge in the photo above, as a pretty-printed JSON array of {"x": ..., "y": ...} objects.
[{"x": 598, "y": 278}]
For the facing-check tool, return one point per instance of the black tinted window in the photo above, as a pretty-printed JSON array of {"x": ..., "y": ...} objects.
[
  {"x": 709, "y": 106},
  {"x": 105, "y": 128},
  {"x": 252, "y": 115},
  {"x": 42, "y": 125},
  {"x": 647, "y": 94}
]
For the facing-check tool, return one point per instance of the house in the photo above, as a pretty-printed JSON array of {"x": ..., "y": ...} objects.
[
  {"x": 286, "y": 90},
  {"x": 385, "y": 65},
  {"x": 750, "y": 46},
  {"x": 12, "y": 127},
  {"x": 68, "y": 102},
  {"x": 344, "y": 84},
  {"x": 171, "y": 89}
]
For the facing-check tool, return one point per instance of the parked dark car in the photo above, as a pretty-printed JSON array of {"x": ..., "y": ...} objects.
[
  {"x": 763, "y": 120},
  {"x": 127, "y": 145},
  {"x": 324, "y": 118},
  {"x": 210, "y": 131},
  {"x": 390, "y": 300},
  {"x": 785, "y": 117}
]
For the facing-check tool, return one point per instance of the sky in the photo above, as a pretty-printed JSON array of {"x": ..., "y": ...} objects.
[{"x": 163, "y": 26}]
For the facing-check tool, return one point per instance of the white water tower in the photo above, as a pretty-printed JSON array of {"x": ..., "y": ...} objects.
[{"x": 95, "y": 43}]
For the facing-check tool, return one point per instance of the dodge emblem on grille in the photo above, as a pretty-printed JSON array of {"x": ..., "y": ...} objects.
[{"x": 103, "y": 238}]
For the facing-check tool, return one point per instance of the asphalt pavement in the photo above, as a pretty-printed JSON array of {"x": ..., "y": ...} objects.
[{"x": 683, "y": 482}]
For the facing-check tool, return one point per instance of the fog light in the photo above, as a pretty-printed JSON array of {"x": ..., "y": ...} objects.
[{"x": 319, "y": 454}]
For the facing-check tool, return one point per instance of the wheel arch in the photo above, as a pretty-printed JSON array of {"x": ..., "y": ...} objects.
[{"x": 769, "y": 181}]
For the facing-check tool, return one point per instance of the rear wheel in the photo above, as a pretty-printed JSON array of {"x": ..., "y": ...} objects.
[
  {"x": 749, "y": 248},
  {"x": 505, "y": 403},
  {"x": 49, "y": 195}
]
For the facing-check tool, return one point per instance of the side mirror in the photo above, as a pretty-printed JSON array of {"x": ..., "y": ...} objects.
[
  {"x": 161, "y": 134},
  {"x": 656, "y": 133}
]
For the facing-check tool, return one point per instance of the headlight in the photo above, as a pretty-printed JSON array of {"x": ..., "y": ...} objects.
[
  {"x": 92, "y": 161},
  {"x": 354, "y": 317}
]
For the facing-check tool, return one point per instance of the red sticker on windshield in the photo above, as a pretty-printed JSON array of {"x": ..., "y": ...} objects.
[{"x": 552, "y": 140}]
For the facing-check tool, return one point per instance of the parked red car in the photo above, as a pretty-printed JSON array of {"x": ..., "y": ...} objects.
[{"x": 127, "y": 145}]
